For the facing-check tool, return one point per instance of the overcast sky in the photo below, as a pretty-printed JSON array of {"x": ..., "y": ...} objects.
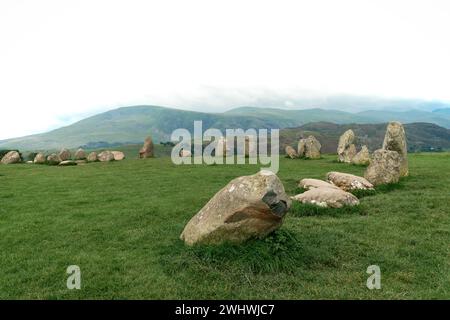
[{"x": 63, "y": 60}]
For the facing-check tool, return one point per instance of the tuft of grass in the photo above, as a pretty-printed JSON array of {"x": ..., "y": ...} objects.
[
  {"x": 385, "y": 188},
  {"x": 278, "y": 252},
  {"x": 299, "y": 209},
  {"x": 299, "y": 190},
  {"x": 360, "y": 193}
]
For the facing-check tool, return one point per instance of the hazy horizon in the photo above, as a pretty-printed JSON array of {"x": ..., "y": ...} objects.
[{"x": 63, "y": 61}]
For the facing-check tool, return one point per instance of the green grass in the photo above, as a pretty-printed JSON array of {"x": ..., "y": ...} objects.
[{"x": 121, "y": 221}]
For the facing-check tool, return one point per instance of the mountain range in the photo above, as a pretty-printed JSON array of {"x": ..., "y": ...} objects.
[{"x": 132, "y": 124}]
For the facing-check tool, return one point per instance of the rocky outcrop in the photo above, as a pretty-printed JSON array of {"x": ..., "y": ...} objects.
[{"x": 247, "y": 207}]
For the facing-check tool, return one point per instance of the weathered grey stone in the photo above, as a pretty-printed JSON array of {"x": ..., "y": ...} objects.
[
  {"x": 384, "y": 167},
  {"x": 362, "y": 157},
  {"x": 147, "y": 150},
  {"x": 247, "y": 207},
  {"x": 395, "y": 140},
  {"x": 118, "y": 155},
  {"x": 40, "y": 158},
  {"x": 53, "y": 159},
  {"x": 11, "y": 157},
  {"x": 315, "y": 183},
  {"x": 346, "y": 149},
  {"x": 105, "y": 156},
  {"x": 80, "y": 154},
  {"x": 327, "y": 197},
  {"x": 312, "y": 148},
  {"x": 64, "y": 154},
  {"x": 92, "y": 157},
  {"x": 348, "y": 182},
  {"x": 290, "y": 152}
]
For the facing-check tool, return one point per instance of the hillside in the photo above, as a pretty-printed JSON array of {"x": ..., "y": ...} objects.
[{"x": 130, "y": 125}]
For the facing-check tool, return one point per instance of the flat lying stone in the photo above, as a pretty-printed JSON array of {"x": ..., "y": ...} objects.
[{"x": 327, "y": 197}]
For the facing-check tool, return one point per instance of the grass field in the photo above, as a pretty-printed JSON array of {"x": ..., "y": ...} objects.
[{"x": 121, "y": 221}]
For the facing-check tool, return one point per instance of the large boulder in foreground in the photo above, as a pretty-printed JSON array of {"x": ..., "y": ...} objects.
[
  {"x": 247, "y": 207},
  {"x": 290, "y": 152},
  {"x": 64, "y": 154},
  {"x": 384, "y": 167},
  {"x": 147, "y": 150},
  {"x": 346, "y": 149},
  {"x": 362, "y": 157},
  {"x": 309, "y": 184},
  {"x": 80, "y": 154},
  {"x": 118, "y": 155},
  {"x": 348, "y": 182},
  {"x": 11, "y": 157},
  {"x": 105, "y": 156},
  {"x": 327, "y": 197},
  {"x": 395, "y": 140},
  {"x": 40, "y": 158}
]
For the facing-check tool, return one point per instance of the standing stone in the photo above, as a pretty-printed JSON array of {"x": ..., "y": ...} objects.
[
  {"x": 118, "y": 155},
  {"x": 346, "y": 149},
  {"x": 312, "y": 148},
  {"x": 64, "y": 154},
  {"x": 348, "y": 182},
  {"x": 40, "y": 158},
  {"x": 80, "y": 154},
  {"x": 92, "y": 157},
  {"x": 362, "y": 157},
  {"x": 11, "y": 157},
  {"x": 290, "y": 152},
  {"x": 301, "y": 147},
  {"x": 53, "y": 159},
  {"x": 222, "y": 148},
  {"x": 247, "y": 207},
  {"x": 395, "y": 140},
  {"x": 105, "y": 156},
  {"x": 147, "y": 150},
  {"x": 384, "y": 167}
]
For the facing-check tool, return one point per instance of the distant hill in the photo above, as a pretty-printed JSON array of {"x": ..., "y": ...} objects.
[
  {"x": 420, "y": 136},
  {"x": 130, "y": 125}
]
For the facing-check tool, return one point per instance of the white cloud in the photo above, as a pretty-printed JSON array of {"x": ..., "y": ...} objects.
[{"x": 61, "y": 60}]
